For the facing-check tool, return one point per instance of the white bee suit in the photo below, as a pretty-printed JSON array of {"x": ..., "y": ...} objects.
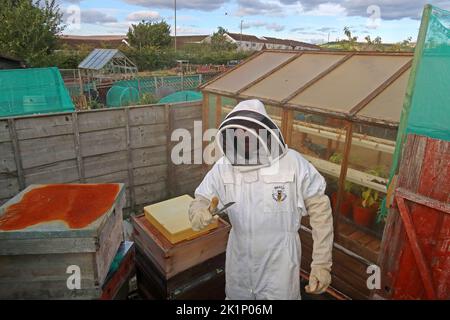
[{"x": 263, "y": 252}]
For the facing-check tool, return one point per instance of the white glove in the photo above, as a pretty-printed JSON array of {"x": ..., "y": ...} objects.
[
  {"x": 321, "y": 221},
  {"x": 319, "y": 280},
  {"x": 199, "y": 213}
]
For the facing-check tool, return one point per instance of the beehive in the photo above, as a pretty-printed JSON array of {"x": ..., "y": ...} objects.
[
  {"x": 46, "y": 229},
  {"x": 171, "y": 218},
  {"x": 171, "y": 259}
]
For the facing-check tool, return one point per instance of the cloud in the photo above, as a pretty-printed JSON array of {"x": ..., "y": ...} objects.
[
  {"x": 259, "y": 7},
  {"x": 275, "y": 27},
  {"x": 297, "y": 29},
  {"x": 326, "y": 29},
  {"x": 258, "y": 24},
  {"x": 327, "y": 9},
  {"x": 389, "y": 9},
  {"x": 191, "y": 30},
  {"x": 201, "y": 5},
  {"x": 253, "y": 24},
  {"x": 95, "y": 16},
  {"x": 143, "y": 15}
]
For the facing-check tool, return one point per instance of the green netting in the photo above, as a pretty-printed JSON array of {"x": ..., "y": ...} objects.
[
  {"x": 30, "y": 91},
  {"x": 150, "y": 84},
  {"x": 426, "y": 109},
  {"x": 182, "y": 96},
  {"x": 119, "y": 96},
  {"x": 430, "y": 104}
]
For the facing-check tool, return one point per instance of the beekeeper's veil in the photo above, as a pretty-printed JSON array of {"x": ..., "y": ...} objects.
[{"x": 249, "y": 138}]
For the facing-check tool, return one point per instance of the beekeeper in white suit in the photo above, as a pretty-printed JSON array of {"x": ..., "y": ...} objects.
[{"x": 272, "y": 187}]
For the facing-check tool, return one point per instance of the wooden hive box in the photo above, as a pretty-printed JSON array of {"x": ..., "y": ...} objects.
[
  {"x": 171, "y": 218},
  {"x": 205, "y": 281},
  {"x": 170, "y": 259},
  {"x": 47, "y": 228}
]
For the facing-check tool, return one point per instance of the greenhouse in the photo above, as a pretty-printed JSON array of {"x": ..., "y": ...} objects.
[
  {"x": 32, "y": 91},
  {"x": 102, "y": 62},
  {"x": 341, "y": 111}
]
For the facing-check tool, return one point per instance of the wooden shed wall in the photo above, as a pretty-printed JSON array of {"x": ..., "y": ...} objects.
[{"x": 128, "y": 145}]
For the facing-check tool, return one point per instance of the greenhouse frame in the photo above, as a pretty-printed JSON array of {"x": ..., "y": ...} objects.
[
  {"x": 109, "y": 62},
  {"x": 341, "y": 111}
]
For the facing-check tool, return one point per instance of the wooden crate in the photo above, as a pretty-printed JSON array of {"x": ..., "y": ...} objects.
[
  {"x": 34, "y": 260},
  {"x": 172, "y": 259},
  {"x": 205, "y": 281}
]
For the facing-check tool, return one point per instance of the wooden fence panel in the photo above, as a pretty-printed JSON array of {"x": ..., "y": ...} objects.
[
  {"x": 42, "y": 151},
  {"x": 99, "y": 146}
]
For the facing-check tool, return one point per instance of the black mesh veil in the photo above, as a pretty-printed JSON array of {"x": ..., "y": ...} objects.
[{"x": 248, "y": 138}]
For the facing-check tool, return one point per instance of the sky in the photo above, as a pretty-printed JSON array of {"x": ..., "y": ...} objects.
[{"x": 314, "y": 21}]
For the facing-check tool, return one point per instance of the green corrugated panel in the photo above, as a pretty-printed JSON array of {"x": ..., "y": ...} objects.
[{"x": 31, "y": 91}]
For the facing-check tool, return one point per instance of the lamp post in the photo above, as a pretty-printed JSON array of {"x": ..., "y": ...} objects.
[
  {"x": 175, "y": 9},
  {"x": 242, "y": 21}
]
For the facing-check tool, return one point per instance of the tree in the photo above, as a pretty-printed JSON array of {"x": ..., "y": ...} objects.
[
  {"x": 148, "y": 33},
  {"x": 351, "y": 43},
  {"x": 29, "y": 29},
  {"x": 375, "y": 44},
  {"x": 219, "y": 42}
]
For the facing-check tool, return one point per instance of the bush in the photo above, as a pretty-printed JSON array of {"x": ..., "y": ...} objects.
[
  {"x": 151, "y": 58},
  {"x": 147, "y": 98}
]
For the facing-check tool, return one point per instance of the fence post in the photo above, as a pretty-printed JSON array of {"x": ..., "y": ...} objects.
[
  {"x": 77, "y": 144},
  {"x": 17, "y": 155},
  {"x": 139, "y": 87},
  {"x": 169, "y": 120},
  {"x": 155, "y": 81},
  {"x": 130, "y": 166},
  {"x": 182, "y": 81}
]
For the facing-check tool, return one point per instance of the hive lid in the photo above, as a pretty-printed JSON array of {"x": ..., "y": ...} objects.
[
  {"x": 171, "y": 218},
  {"x": 59, "y": 211}
]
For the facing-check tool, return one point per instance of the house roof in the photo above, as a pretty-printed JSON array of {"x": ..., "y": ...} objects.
[
  {"x": 252, "y": 38},
  {"x": 98, "y": 58},
  {"x": 289, "y": 42},
  {"x": 190, "y": 39},
  {"x": 93, "y": 41},
  {"x": 364, "y": 86},
  {"x": 246, "y": 37}
]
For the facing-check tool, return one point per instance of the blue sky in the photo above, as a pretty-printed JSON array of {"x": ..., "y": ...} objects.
[{"x": 305, "y": 20}]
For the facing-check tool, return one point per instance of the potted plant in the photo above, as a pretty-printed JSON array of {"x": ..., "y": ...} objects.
[
  {"x": 365, "y": 209},
  {"x": 348, "y": 198}
]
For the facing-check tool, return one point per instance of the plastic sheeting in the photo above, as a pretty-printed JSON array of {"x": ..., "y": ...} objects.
[{"x": 182, "y": 96}]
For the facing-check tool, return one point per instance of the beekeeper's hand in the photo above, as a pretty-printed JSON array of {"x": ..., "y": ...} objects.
[
  {"x": 321, "y": 221},
  {"x": 200, "y": 214},
  {"x": 319, "y": 280}
]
